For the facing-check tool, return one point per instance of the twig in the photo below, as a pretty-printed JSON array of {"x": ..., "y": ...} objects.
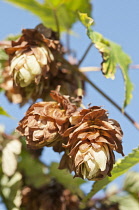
[
  {"x": 80, "y": 87},
  {"x": 57, "y": 23},
  {"x": 85, "y": 54},
  {"x": 113, "y": 102},
  {"x": 96, "y": 68},
  {"x": 89, "y": 68},
  {"x": 68, "y": 42}
]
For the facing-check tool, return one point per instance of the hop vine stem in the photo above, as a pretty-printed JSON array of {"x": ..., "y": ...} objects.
[
  {"x": 57, "y": 23},
  {"x": 96, "y": 68},
  {"x": 85, "y": 54}
]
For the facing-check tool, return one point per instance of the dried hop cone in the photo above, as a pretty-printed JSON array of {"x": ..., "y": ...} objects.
[
  {"x": 92, "y": 139},
  {"x": 12, "y": 93},
  {"x": 31, "y": 57},
  {"x": 46, "y": 121},
  {"x": 50, "y": 197}
]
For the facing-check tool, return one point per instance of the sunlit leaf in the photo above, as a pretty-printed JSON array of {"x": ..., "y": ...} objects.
[
  {"x": 11, "y": 150},
  {"x": 3, "y": 55},
  {"x": 35, "y": 171},
  {"x": 65, "y": 178},
  {"x": 85, "y": 19},
  {"x": 120, "y": 168},
  {"x": 10, "y": 188},
  {"x": 65, "y": 11},
  {"x": 112, "y": 55},
  {"x": 126, "y": 202},
  {"x": 131, "y": 182}
]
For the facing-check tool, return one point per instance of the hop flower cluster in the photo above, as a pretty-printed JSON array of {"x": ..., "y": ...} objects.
[
  {"x": 35, "y": 67},
  {"x": 51, "y": 197},
  {"x": 31, "y": 57},
  {"x": 87, "y": 136}
]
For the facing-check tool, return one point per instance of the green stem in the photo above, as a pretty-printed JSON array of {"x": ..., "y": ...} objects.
[
  {"x": 85, "y": 54},
  {"x": 79, "y": 83},
  {"x": 68, "y": 42}
]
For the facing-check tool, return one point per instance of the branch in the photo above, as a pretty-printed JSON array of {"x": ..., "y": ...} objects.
[
  {"x": 68, "y": 42},
  {"x": 85, "y": 54},
  {"x": 96, "y": 68}
]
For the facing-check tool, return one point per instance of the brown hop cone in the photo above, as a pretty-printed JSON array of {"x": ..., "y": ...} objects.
[
  {"x": 46, "y": 121},
  {"x": 32, "y": 92},
  {"x": 36, "y": 67},
  {"x": 32, "y": 56},
  {"x": 50, "y": 197},
  {"x": 92, "y": 139},
  {"x": 12, "y": 93}
]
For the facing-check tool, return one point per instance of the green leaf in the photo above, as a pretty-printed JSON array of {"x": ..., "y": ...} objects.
[
  {"x": 10, "y": 190},
  {"x": 112, "y": 55},
  {"x": 127, "y": 202},
  {"x": 3, "y": 55},
  {"x": 86, "y": 21},
  {"x": 3, "y": 112},
  {"x": 131, "y": 182},
  {"x": 35, "y": 172},
  {"x": 3, "y": 58},
  {"x": 10, "y": 151},
  {"x": 12, "y": 37},
  {"x": 65, "y": 11},
  {"x": 65, "y": 178},
  {"x": 120, "y": 168}
]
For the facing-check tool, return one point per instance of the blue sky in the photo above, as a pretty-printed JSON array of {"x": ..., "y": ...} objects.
[{"x": 117, "y": 21}]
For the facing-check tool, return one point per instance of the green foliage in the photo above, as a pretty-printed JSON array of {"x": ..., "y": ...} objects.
[
  {"x": 10, "y": 190},
  {"x": 126, "y": 202},
  {"x": 86, "y": 21},
  {"x": 3, "y": 55},
  {"x": 36, "y": 173},
  {"x": 3, "y": 112},
  {"x": 3, "y": 58},
  {"x": 10, "y": 151},
  {"x": 112, "y": 55},
  {"x": 65, "y": 178},
  {"x": 131, "y": 182},
  {"x": 56, "y": 12},
  {"x": 12, "y": 37},
  {"x": 120, "y": 168}
]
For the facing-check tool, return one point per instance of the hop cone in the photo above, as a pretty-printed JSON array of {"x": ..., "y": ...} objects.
[
  {"x": 46, "y": 121},
  {"x": 51, "y": 197},
  {"x": 31, "y": 57},
  {"x": 36, "y": 67},
  {"x": 92, "y": 139},
  {"x": 12, "y": 93}
]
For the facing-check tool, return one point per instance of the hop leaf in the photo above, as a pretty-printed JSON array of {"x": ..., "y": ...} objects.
[
  {"x": 11, "y": 149},
  {"x": 112, "y": 55}
]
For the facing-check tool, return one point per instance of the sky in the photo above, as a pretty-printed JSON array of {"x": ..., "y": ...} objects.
[{"x": 117, "y": 21}]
